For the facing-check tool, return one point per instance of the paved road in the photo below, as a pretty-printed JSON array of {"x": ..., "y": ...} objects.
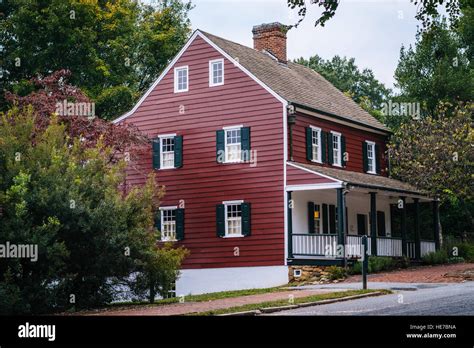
[{"x": 408, "y": 299}]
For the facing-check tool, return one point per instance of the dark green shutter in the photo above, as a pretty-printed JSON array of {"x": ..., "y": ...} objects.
[
  {"x": 325, "y": 218},
  {"x": 156, "y": 153},
  {"x": 381, "y": 224},
  {"x": 310, "y": 217},
  {"x": 332, "y": 219},
  {"x": 220, "y": 144},
  {"x": 323, "y": 146},
  {"x": 179, "y": 224},
  {"x": 178, "y": 151},
  {"x": 245, "y": 143},
  {"x": 246, "y": 219},
  {"x": 343, "y": 150},
  {"x": 330, "y": 148},
  {"x": 364, "y": 156},
  {"x": 377, "y": 158},
  {"x": 158, "y": 220},
  {"x": 309, "y": 144},
  {"x": 220, "y": 220}
]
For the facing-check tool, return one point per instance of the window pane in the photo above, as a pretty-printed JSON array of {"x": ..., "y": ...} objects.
[
  {"x": 167, "y": 152},
  {"x": 234, "y": 219},
  {"x": 233, "y": 145},
  {"x": 168, "y": 225}
]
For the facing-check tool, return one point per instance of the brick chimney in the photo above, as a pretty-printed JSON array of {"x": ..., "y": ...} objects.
[{"x": 271, "y": 38}]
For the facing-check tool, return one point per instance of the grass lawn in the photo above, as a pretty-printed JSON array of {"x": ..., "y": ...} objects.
[{"x": 313, "y": 298}]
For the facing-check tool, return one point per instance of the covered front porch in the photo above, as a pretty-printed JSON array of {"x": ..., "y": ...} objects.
[{"x": 326, "y": 221}]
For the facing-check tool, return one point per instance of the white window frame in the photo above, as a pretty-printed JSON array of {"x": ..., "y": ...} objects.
[
  {"x": 337, "y": 163},
  {"x": 176, "y": 80},
  {"x": 319, "y": 153},
  {"x": 211, "y": 72},
  {"x": 226, "y": 204},
  {"x": 163, "y": 137},
  {"x": 372, "y": 170},
  {"x": 227, "y": 129},
  {"x": 162, "y": 221}
]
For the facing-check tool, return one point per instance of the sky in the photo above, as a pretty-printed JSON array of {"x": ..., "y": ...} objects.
[{"x": 371, "y": 31}]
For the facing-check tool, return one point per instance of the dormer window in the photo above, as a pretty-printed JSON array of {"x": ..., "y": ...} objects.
[
  {"x": 216, "y": 72},
  {"x": 181, "y": 79}
]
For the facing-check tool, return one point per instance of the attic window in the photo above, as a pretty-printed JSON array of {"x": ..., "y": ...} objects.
[
  {"x": 181, "y": 80},
  {"x": 216, "y": 72}
]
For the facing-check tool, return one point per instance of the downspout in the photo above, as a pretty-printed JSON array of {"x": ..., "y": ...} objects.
[{"x": 291, "y": 122}]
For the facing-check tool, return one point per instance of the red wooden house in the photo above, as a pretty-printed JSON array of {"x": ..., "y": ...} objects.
[{"x": 267, "y": 165}]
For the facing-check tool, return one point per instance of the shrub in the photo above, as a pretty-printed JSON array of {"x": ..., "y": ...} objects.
[
  {"x": 376, "y": 264},
  {"x": 335, "y": 272},
  {"x": 464, "y": 250},
  {"x": 456, "y": 259},
  {"x": 380, "y": 263},
  {"x": 436, "y": 257}
]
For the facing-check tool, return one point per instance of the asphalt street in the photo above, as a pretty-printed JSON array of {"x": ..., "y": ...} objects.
[{"x": 407, "y": 299}]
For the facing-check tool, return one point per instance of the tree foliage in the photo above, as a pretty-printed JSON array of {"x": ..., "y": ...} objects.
[
  {"x": 114, "y": 49},
  {"x": 45, "y": 94},
  {"x": 69, "y": 200},
  {"x": 436, "y": 154},
  {"x": 438, "y": 69}
]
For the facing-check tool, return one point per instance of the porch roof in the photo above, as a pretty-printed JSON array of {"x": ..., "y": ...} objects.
[{"x": 364, "y": 180}]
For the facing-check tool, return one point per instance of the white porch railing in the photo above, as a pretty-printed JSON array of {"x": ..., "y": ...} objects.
[
  {"x": 427, "y": 247},
  {"x": 325, "y": 245},
  {"x": 313, "y": 244},
  {"x": 388, "y": 246},
  {"x": 354, "y": 246}
]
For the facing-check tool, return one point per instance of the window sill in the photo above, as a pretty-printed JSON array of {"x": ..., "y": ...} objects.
[
  {"x": 232, "y": 162},
  {"x": 372, "y": 173},
  {"x": 170, "y": 168},
  {"x": 168, "y": 240},
  {"x": 183, "y": 91},
  {"x": 314, "y": 161},
  {"x": 236, "y": 236},
  {"x": 216, "y": 85},
  {"x": 336, "y": 165}
]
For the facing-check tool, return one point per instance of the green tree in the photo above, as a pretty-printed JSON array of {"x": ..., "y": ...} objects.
[
  {"x": 360, "y": 85},
  {"x": 436, "y": 70},
  {"x": 436, "y": 154},
  {"x": 92, "y": 232},
  {"x": 114, "y": 49}
]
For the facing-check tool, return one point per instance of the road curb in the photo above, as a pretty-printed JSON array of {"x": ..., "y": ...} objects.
[{"x": 301, "y": 305}]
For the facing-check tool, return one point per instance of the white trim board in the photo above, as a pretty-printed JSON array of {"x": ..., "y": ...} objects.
[
  {"x": 314, "y": 187},
  {"x": 176, "y": 58},
  {"x": 313, "y": 172}
]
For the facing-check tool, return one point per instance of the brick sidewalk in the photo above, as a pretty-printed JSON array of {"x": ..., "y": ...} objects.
[
  {"x": 192, "y": 307},
  {"x": 422, "y": 274}
]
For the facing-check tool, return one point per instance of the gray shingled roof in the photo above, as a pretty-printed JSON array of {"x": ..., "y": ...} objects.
[
  {"x": 297, "y": 83},
  {"x": 362, "y": 179}
]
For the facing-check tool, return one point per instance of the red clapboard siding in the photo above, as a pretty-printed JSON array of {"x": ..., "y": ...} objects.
[
  {"x": 202, "y": 183},
  {"x": 354, "y": 139},
  {"x": 296, "y": 176}
]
